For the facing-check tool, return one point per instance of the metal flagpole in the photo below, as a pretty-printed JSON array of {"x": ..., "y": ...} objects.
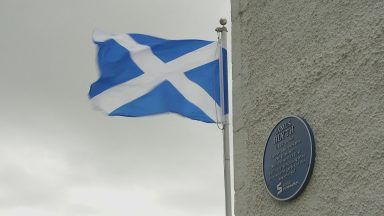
[
  {"x": 226, "y": 142},
  {"x": 227, "y": 172}
]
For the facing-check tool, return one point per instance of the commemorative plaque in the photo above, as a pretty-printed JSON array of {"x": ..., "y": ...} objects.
[{"x": 289, "y": 157}]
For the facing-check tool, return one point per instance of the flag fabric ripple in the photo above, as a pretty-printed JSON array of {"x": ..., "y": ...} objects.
[{"x": 142, "y": 75}]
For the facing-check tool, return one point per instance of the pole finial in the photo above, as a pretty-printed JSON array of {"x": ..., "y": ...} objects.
[{"x": 223, "y": 21}]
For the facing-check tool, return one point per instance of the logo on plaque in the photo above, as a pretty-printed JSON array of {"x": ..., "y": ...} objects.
[{"x": 289, "y": 156}]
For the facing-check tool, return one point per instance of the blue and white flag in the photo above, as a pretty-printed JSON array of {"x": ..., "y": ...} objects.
[{"x": 143, "y": 75}]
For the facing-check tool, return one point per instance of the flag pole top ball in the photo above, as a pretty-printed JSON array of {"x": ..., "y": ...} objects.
[{"x": 223, "y": 21}]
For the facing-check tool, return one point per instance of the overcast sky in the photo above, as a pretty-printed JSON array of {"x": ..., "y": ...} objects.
[{"x": 58, "y": 157}]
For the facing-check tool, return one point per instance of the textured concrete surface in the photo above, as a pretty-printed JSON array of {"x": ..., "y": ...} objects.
[{"x": 324, "y": 61}]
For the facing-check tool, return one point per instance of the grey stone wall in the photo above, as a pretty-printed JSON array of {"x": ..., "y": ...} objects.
[{"x": 323, "y": 61}]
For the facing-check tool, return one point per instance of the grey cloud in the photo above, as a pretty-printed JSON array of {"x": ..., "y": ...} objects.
[
  {"x": 47, "y": 62},
  {"x": 22, "y": 189}
]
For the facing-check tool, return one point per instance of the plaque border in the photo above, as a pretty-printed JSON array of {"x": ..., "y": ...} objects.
[{"x": 312, "y": 159}]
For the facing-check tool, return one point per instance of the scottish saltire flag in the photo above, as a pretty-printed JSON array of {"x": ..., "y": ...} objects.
[{"x": 143, "y": 75}]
